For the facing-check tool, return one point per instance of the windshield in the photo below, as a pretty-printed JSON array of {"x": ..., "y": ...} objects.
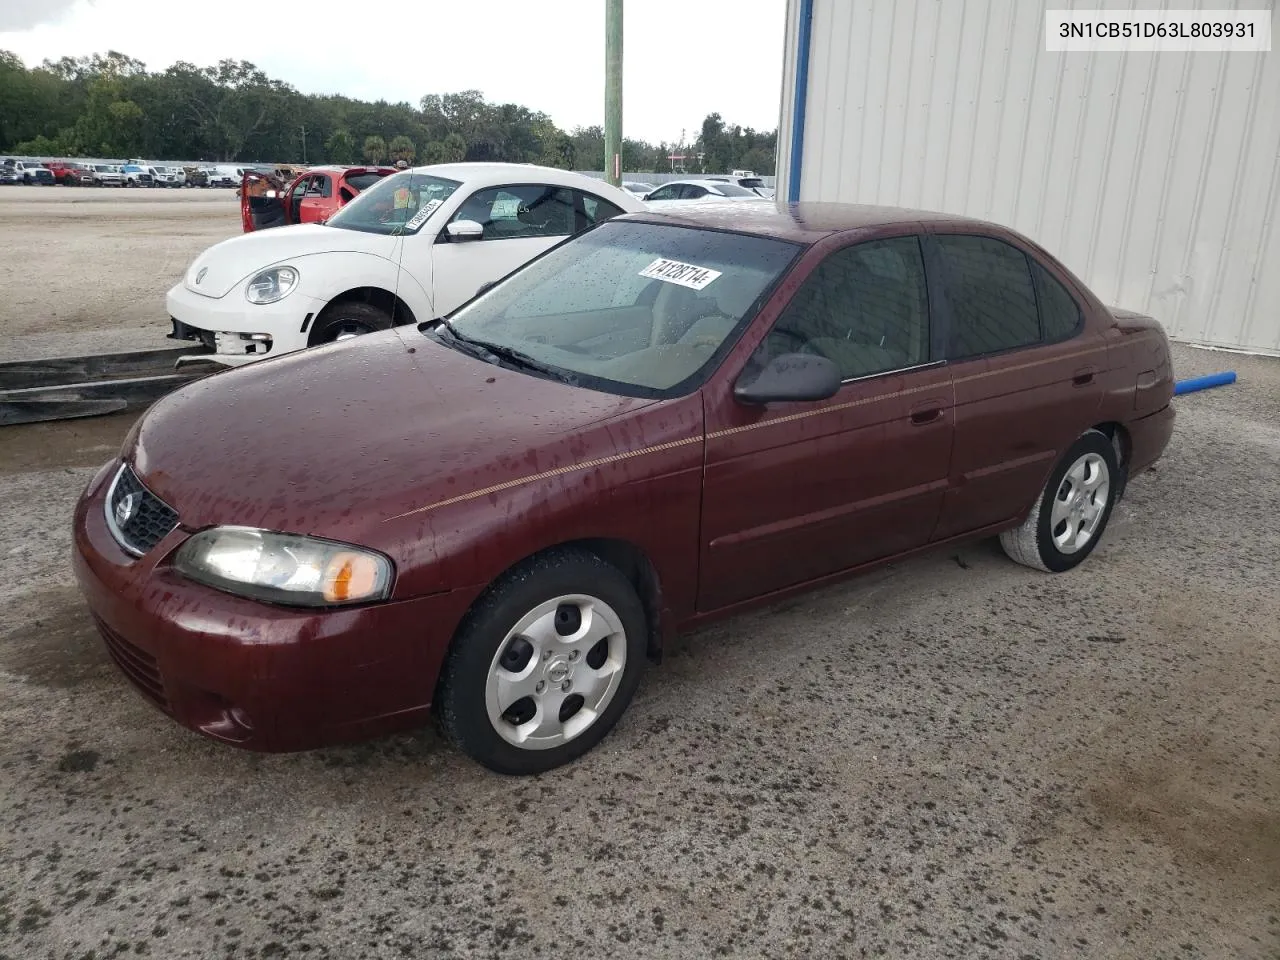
[
  {"x": 395, "y": 205},
  {"x": 103, "y": 168},
  {"x": 733, "y": 190},
  {"x": 751, "y": 182},
  {"x": 635, "y": 308}
]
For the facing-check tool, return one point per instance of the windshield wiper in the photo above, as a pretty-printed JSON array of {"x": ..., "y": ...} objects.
[
  {"x": 498, "y": 351},
  {"x": 522, "y": 360}
]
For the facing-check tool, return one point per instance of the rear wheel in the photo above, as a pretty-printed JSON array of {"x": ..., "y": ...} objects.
[
  {"x": 347, "y": 319},
  {"x": 1072, "y": 511},
  {"x": 544, "y": 665}
]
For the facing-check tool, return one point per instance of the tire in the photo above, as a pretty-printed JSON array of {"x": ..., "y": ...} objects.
[
  {"x": 563, "y": 620},
  {"x": 1072, "y": 510},
  {"x": 348, "y": 318}
]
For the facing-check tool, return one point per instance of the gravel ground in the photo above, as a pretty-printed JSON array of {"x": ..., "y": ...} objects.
[
  {"x": 951, "y": 757},
  {"x": 80, "y": 259}
]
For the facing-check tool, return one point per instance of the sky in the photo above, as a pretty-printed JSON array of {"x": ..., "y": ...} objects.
[{"x": 682, "y": 59}]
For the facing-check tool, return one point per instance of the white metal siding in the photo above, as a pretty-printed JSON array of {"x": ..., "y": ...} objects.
[{"x": 1155, "y": 177}]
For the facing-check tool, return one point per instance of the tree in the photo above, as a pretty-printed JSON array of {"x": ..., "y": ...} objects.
[
  {"x": 759, "y": 160},
  {"x": 341, "y": 146},
  {"x": 433, "y": 152},
  {"x": 402, "y": 148},
  {"x": 42, "y": 146},
  {"x": 109, "y": 105},
  {"x": 454, "y": 149},
  {"x": 588, "y": 148},
  {"x": 375, "y": 149}
]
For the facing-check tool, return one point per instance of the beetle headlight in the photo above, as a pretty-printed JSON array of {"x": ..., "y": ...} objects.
[
  {"x": 284, "y": 567},
  {"x": 272, "y": 285}
]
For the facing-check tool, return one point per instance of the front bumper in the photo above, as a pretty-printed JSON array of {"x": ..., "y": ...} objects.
[
  {"x": 237, "y": 331},
  {"x": 255, "y": 675}
]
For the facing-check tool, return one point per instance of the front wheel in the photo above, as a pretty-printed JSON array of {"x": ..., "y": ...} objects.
[
  {"x": 350, "y": 318},
  {"x": 1071, "y": 513},
  {"x": 544, "y": 665}
]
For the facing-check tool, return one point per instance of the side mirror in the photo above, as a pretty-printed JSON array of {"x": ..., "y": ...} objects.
[
  {"x": 790, "y": 377},
  {"x": 461, "y": 230}
]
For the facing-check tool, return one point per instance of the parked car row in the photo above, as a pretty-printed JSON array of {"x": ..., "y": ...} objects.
[
  {"x": 576, "y": 424},
  {"x": 26, "y": 172},
  {"x": 132, "y": 174},
  {"x": 742, "y": 185},
  {"x": 708, "y": 188}
]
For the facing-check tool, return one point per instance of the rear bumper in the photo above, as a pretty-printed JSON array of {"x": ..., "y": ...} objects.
[
  {"x": 251, "y": 674},
  {"x": 1148, "y": 438}
]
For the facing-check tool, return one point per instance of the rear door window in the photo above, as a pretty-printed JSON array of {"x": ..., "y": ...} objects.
[{"x": 993, "y": 301}]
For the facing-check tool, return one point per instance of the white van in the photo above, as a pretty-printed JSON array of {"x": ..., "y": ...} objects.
[{"x": 225, "y": 176}]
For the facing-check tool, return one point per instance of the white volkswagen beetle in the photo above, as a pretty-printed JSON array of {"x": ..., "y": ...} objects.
[{"x": 412, "y": 247}]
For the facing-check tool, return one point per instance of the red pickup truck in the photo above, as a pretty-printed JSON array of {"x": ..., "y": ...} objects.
[{"x": 66, "y": 172}]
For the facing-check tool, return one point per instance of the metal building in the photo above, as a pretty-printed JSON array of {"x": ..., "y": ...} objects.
[{"x": 1154, "y": 176}]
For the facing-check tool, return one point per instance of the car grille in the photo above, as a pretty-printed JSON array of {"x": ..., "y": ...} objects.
[
  {"x": 137, "y": 518},
  {"x": 138, "y": 665}
]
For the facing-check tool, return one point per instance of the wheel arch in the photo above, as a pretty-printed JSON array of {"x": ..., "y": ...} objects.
[
  {"x": 625, "y": 556},
  {"x": 1122, "y": 443},
  {"x": 400, "y": 312}
]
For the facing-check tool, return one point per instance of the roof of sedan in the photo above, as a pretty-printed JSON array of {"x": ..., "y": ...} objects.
[
  {"x": 483, "y": 171},
  {"x": 800, "y": 222}
]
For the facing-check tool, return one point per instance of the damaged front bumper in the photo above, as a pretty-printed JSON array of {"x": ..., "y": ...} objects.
[{"x": 226, "y": 347}]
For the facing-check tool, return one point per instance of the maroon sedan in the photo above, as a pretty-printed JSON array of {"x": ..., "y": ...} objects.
[{"x": 502, "y": 516}]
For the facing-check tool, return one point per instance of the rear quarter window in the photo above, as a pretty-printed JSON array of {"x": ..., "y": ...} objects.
[{"x": 1059, "y": 313}]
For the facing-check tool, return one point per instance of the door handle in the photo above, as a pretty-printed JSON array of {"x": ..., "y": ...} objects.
[
  {"x": 926, "y": 413},
  {"x": 1082, "y": 377}
]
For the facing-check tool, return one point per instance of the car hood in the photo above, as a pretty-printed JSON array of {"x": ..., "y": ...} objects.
[
  {"x": 335, "y": 440},
  {"x": 226, "y": 264}
]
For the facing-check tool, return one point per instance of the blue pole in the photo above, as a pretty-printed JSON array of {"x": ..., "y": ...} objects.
[
  {"x": 802, "y": 97},
  {"x": 1204, "y": 383}
]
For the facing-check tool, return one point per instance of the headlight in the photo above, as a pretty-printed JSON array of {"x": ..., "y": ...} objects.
[
  {"x": 272, "y": 285},
  {"x": 284, "y": 567}
]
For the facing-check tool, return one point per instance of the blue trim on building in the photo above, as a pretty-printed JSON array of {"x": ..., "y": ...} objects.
[{"x": 801, "y": 101}]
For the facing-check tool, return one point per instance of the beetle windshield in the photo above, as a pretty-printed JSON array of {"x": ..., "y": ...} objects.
[
  {"x": 397, "y": 204},
  {"x": 631, "y": 307}
]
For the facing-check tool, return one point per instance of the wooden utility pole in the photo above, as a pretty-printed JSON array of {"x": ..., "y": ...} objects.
[{"x": 613, "y": 91}]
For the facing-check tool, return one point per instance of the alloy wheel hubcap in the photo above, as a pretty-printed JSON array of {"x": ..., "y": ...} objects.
[
  {"x": 1080, "y": 503},
  {"x": 349, "y": 328},
  {"x": 556, "y": 672}
]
